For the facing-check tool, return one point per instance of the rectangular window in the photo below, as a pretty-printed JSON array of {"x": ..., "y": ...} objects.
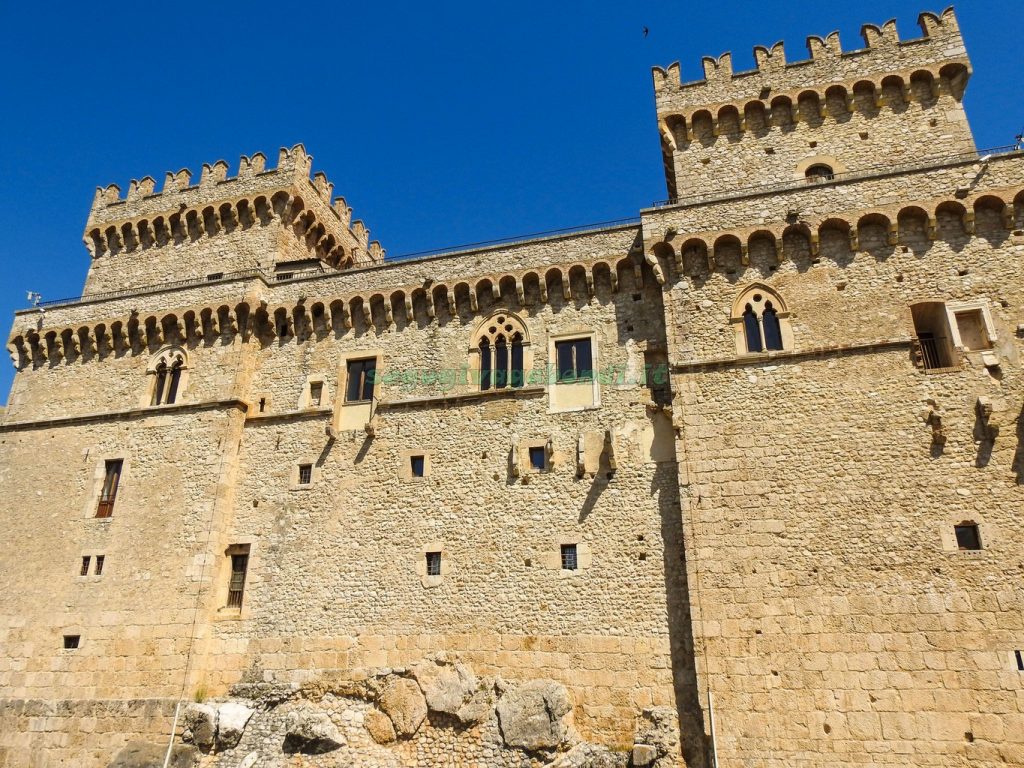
[
  {"x": 236, "y": 587},
  {"x": 971, "y": 325},
  {"x": 433, "y": 563},
  {"x": 85, "y": 565},
  {"x": 71, "y": 641},
  {"x": 967, "y": 536},
  {"x": 99, "y": 564},
  {"x": 316, "y": 393},
  {"x": 214, "y": 276},
  {"x": 416, "y": 464},
  {"x": 361, "y": 375},
  {"x": 305, "y": 474},
  {"x": 575, "y": 360},
  {"x": 569, "y": 561},
  {"x": 538, "y": 458},
  {"x": 111, "y": 479}
]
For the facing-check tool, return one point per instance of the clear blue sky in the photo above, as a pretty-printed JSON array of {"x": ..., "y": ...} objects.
[{"x": 441, "y": 123}]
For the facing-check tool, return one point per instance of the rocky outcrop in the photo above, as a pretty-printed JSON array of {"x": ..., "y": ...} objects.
[
  {"x": 141, "y": 754},
  {"x": 201, "y": 725},
  {"x": 402, "y": 700},
  {"x": 215, "y": 725},
  {"x": 232, "y": 718},
  {"x": 450, "y": 687},
  {"x": 311, "y": 732},
  {"x": 590, "y": 756},
  {"x": 537, "y": 715},
  {"x": 656, "y": 741},
  {"x": 379, "y": 726}
]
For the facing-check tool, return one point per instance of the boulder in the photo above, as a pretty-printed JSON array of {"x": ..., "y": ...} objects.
[
  {"x": 402, "y": 700},
  {"x": 453, "y": 689},
  {"x": 311, "y": 732},
  {"x": 141, "y": 754},
  {"x": 590, "y": 756},
  {"x": 201, "y": 725},
  {"x": 644, "y": 755},
  {"x": 656, "y": 739},
  {"x": 536, "y": 715},
  {"x": 232, "y": 718},
  {"x": 250, "y": 760},
  {"x": 379, "y": 726}
]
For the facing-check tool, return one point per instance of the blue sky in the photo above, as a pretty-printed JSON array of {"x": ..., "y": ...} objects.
[{"x": 441, "y": 123}]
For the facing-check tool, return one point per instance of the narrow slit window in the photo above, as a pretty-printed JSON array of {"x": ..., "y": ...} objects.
[
  {"x": 236, "y": 585},
  {"x": 71, "y": 642},
  {"x": 538, "y": 458},
  {"x": 361, "y": 376},
  {"x": 433, "y": 563},
  {"x": 316, "y": 393},
  {"x": 569, "y": 558},
  {"x": 173, "y": 383},
  {"x": 305, "y": 474},
  {"x": 161, "y": 384},
  {"x": 575, "y": 360},
  {"x": 968, "y": 537},
  {"x": 108, "y": 493},
  {"x": 416, "y": 464},
  {"x": 85, "y": 565},
  {"x": 100, "y": 560},
  {"x": 1020, "y": 660}
]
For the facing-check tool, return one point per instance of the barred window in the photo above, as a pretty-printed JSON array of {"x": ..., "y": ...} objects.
[
  {"x": 569, "y": 560},
  {"x": 433, "y": 563},
  {"x": 305, "y": 474}
]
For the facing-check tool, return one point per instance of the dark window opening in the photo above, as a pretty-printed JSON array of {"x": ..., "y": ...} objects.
[
  {"x": 305, "y": 474},
  {"x": 165, "y": 390},
  {"x": 501, "y": 366},
  {"x": 263, "y": 404},
  {"x": 85, "y": 565},
  {"x": 931, "y": 326},
  {"x": 161, "y": 382},
  {"x": 416, "y": 464},
  {"x": 433, "y": 563},
  {"x": 214, "y": 276},
  {"x": 538, "y": 458},
  {"x": 772, "y": 329},
  {"x": 100, "y": 559},
  {"x": 1020, "y": 661},
  {"x": 656, "y": 375},
  {"x": 752, "y": 330},
  {"x": 284, "y": 275},
  {"x": 575, "y": 360},
  {"x": 967, "y": 536},
  {"x": 316, "y": 393},
  {"x": 108, "y": 494},
  {"x": 485, "y": 364},
  {"x": 172, "y": 387},
  {"x": 361, "y": 375},
  {"x": 71, "y": 641},
  {"x": 569, "y": 561},
  {"x": 820, "y": 172},
  {"x": 236, "y": 586}
]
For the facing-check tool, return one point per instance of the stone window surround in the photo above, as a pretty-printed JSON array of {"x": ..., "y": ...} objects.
[
  {"x": 421, "y": 564},
  {"x": 222, "y": 579},
  {"x": 782, "y": 313},
  {"x": 551, "y": 558},
  {"x": 405, "y": 465},
  {"x": 98, "y": 476},
  {"x": 254, "y": 406},
  {"x": 354, "y": 416},
  {"x": 165, "y": 354},
  {"x": 92, "y": 554},
  {"x": 481, "y": 331},
  {"x": 986, "y": 533},
  {"x": 554, "y": 387},
  {"x": 293, "y": 476},
  {"x": 808, "y": 162},
  {"x": 306, "y": 397},
  {"x": 74, "y": 629},
  {"x": 526, "y": 466},
  {"x": 953, "y": 307}
]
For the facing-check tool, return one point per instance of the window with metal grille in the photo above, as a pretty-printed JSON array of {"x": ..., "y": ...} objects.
[
  {"x": 569, "y": 561},
  {"x": 416, "y": 464},
  {"x": 100, "y": 559},
  {"x": 538, "y": 457},
  {"x": 316, "y": 393},
  {"x": 433, "y": 563},
  {"x": 575, "y": 360},
  {"x": 85, "y": 565},
  {"x": 361, "y": 374},
  {"x": 71, "y": 641},
  {"x": 108, "y": 493},
  {"x": 305, "y": 474},
  {"x": 967, "y": 536},
  {"x": 236, "y": 586}
]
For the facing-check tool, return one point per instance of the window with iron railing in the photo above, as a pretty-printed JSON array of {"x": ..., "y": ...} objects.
[
  {"x": 108, "y": 493},
  {"x": 236, "y": 585}
]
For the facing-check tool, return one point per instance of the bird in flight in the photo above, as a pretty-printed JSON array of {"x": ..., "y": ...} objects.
[{"x": 646, "y": 31}]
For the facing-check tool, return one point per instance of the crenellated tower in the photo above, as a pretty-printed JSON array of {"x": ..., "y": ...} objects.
[
  {"x": 893, "y": 102},
  {"x": 274, "y": 220}
]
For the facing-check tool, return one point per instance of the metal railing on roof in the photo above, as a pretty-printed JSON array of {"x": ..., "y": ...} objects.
[{"x": 877, "y": 170}]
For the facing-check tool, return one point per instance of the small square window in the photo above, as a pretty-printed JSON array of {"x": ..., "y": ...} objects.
[
  {"x": 433, "y": 563},
  {"x": 316, "y": 393},
  {"x": 569, "y": 560},
  {"x": 538, "y": 458},
  {"x": 71, "y": 641},
  {"x": 85, "y": 565},
  {"x": 967, "y": 536},
  {"x": 305, "y": 474},
  {"x": 416, "y": 465},
  {"x": 100, "y": 559}
]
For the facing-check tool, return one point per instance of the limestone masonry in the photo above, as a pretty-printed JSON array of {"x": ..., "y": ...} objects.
[{"x": 739, "y": 485}]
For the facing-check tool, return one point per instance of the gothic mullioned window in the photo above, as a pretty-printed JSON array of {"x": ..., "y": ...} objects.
[
  {"x": 500, "y": 344},
  {"x": 760, "y": 320},
  {"x": 167, "y": 367}
]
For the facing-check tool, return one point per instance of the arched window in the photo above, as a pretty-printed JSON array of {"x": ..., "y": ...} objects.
[
  {"x": 820, "y": 172},
  {"x": 500, "y": 344},
  {"x": 761, "y": 321},
  {"x": 166, "y": 367}
]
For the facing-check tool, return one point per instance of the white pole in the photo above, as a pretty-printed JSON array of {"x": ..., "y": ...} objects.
[
  {"x": 174, "y": 727},
  {"x": 711, "y": 722}
]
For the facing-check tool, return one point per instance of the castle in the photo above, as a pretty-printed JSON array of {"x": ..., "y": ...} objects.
[{"x": 739, "y": 484}]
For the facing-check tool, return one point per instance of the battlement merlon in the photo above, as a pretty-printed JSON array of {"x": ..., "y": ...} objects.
[
  {"x": 307, "y": 193},
  {"x": 884, "y": 53}
]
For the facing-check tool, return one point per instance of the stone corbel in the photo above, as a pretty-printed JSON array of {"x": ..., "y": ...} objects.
[
  {"x": 389, "y": 313},
  {"x": 514, "y": 465},
  {"x": 367, "y": 314},
  {"x": 408, "y": 309},
  {"x": 581, "y": 455},
  {"x": 854, "y": 239},
  {"x": 969, "y": 222},
  {"x": 543, "y": 286},
  {"x": 521, "y": 293},
  {"x": 613, "y": 276},
  {"x": 933, "y": 419},
  {"x": 780, "y": 251},
  {"x": 609, "y": 447},
  {"x": 894, "y": 233},
  {"x": 986, "y": 419}
]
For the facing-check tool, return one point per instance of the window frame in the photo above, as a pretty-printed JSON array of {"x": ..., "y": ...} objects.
[
  {"x": 953, "y": 308},
  {"x": 110, "y": 486},
  {"x": 237, "y": 553},
  {"x": 572, "y": 345},
  {"x": 365, "y": 382},
  {"x": 569, "y": 551},
  {"x": 434, "y": 560},
  {"x": 567, "y": 396}
]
